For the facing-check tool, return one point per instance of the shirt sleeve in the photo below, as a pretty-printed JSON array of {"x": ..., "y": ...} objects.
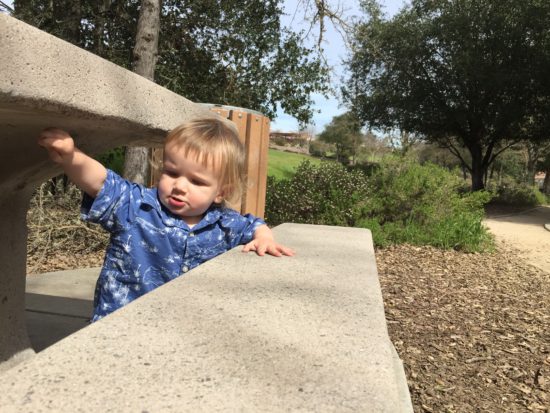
[
  {"x": 242, "y": 227},
  {"x": 112, "y": 207}
]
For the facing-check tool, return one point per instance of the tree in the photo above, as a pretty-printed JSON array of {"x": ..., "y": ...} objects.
[
  {"x": 461, "y": 73},
  {"x": 344, "y": 131},
  {"x": 231, "y": 52},
  {"x": 136, "y": 161}
]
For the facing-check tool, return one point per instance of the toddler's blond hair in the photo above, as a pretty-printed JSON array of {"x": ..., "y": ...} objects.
[{"x": 213, "y": 142}]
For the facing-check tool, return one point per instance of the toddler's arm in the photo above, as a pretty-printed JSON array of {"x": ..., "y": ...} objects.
[
  {"x": 87, "y": 173},
  {"x": 264, "y": 242}
]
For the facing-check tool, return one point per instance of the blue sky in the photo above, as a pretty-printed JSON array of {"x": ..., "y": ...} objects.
[{"x": 335, "y": 52}]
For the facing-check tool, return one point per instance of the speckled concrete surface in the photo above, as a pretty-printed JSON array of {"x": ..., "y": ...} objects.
[{"x": 238, "y": 333}]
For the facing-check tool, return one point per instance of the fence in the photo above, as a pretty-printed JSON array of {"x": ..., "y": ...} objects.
[{"x": 253, "y": 130}]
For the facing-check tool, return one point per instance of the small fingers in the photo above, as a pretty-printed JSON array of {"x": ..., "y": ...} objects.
[
  {"x": 261, "y": 249},
  {"x": 278, "y": 250},
  {"x": 286, "y": 251},
  {"x": 251, "y": 246},
  {"x": 275, "y": 250}
]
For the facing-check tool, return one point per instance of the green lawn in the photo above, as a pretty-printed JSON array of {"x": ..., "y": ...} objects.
[{"x": 282, "y": 165}]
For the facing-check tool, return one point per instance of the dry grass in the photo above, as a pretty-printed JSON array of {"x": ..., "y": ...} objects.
[{"x": 58, "y": 238}]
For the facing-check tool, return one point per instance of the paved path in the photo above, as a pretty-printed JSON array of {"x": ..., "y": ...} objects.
[{"x": 524, "y": 231}]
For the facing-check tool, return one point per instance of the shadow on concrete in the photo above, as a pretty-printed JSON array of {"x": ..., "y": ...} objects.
[{"x": 50, "y": 318}]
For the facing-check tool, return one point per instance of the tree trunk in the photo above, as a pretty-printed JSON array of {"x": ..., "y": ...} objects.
[
  {"x": 136, "y": 163},
  {"x": 478, "y": 169},
  {"x": 546, "y": 183},
  {"x": 531, "y": 164}
]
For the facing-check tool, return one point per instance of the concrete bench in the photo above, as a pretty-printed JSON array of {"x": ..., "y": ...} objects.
[{"x": 240, "y": 332}]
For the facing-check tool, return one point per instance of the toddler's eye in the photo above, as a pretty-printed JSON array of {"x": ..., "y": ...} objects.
[
  {"x": 171, "y": 174},
  {"x": 198, "y": 182}
]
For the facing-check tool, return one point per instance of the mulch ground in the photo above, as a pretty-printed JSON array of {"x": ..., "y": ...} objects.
[{"x": 473, "y": 330}]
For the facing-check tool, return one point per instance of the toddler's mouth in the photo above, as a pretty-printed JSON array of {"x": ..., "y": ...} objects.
[{"x": 175, "y": 202}]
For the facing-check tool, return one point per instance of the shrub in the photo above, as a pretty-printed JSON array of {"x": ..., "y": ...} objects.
[
  {"x": 509, "y": 192},
  {"x": 400, "y": 201},
  {"x": 324, "y": 194},
  {"x": 423, "y": 205},
  {"x": 54, "y": 225},
  {"x": 321, "y": 149},
  {"x": 113, "y": 159}
]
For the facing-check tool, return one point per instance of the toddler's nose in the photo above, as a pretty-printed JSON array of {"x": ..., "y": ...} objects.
[{"x": 181, "y": 184}]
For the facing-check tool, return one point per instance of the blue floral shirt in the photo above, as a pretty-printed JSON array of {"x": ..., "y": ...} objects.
[{"x": 149, "y": 245}]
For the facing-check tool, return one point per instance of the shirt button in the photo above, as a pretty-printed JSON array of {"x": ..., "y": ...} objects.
[
  {"x": 191, "y": 234},
  {"x": 185, "y": 269}
]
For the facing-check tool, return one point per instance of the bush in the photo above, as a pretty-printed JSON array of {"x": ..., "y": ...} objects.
[
  {"x": 400, "y": 202},
  {"x": 512, "y": 193},
  {"x": 113, "y": 159},
  {"x": 324, "y": 194},
  {"x": 321, "y": 149},
  {"x": 289, "y": 141},
  {"x": 423, "y": 205}
]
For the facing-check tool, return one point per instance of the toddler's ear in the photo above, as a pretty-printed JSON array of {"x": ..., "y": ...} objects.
[{"x": 220, "y": 197}]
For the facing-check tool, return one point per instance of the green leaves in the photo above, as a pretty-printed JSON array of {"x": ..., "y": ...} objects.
[
  {"x": 471, "y": 70},
  {"x": 230, "y": 52},
  {"x": 400, "y": 201},
  {"x": 344, "y": 131}
]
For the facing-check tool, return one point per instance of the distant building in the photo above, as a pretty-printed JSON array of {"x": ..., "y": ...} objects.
[{"x": 290, "y": 137}]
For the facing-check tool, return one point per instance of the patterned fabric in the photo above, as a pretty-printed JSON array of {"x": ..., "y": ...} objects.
[{"x": 150, "y": 246}]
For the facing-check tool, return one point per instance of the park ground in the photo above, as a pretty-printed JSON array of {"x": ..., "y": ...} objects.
[{"x": 473, "y": 330}]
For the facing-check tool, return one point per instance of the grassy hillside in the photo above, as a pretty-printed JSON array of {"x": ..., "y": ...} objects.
[{"x": 281, "y": 164}]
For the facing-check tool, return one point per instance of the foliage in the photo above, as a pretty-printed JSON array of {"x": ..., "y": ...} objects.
[
  {"x": 289, "y": 141},
  {"x": 113, "y": 159},
  {"x": 321, "y": 149},
  {"x": 462, "y": 73},
  {"x": 423, "y": 205},
  {"x": 400, "y": 201},
  {"x": 511, "y": 192},
  {"x": 344, "y": 132},
  {"x": 231, "y": 52},
  {"x": 428, "y": 152},
  {"x": 324, "y": 194}
]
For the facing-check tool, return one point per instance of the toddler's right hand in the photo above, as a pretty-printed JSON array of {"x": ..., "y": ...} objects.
[{"x": 58, "y": 143}]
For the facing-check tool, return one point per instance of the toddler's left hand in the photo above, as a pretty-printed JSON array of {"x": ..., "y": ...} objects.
[{"x": 269, "y": 246}]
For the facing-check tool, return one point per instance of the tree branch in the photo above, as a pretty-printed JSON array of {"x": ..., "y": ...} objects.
[{"x": 5, "y": 6}]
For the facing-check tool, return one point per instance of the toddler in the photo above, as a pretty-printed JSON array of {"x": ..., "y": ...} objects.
[{"x": 157, "y": 234}]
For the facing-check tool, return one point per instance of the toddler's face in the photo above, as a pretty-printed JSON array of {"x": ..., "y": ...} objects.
[{"x": 186, "y": 187}]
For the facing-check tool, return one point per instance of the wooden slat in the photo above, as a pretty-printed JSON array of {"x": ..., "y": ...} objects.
[
  {"x": 262, "y": 171},
  {"x": 253, "y": 149},
  {"x": 220, "y": 110},
  {"x": 239, "y": 118}
]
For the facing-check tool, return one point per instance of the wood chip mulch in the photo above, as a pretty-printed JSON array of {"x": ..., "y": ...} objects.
[{"x": 473, "y": 330}]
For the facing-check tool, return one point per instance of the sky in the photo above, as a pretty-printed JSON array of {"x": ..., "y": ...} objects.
[{"x": 335, "y": 52}]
